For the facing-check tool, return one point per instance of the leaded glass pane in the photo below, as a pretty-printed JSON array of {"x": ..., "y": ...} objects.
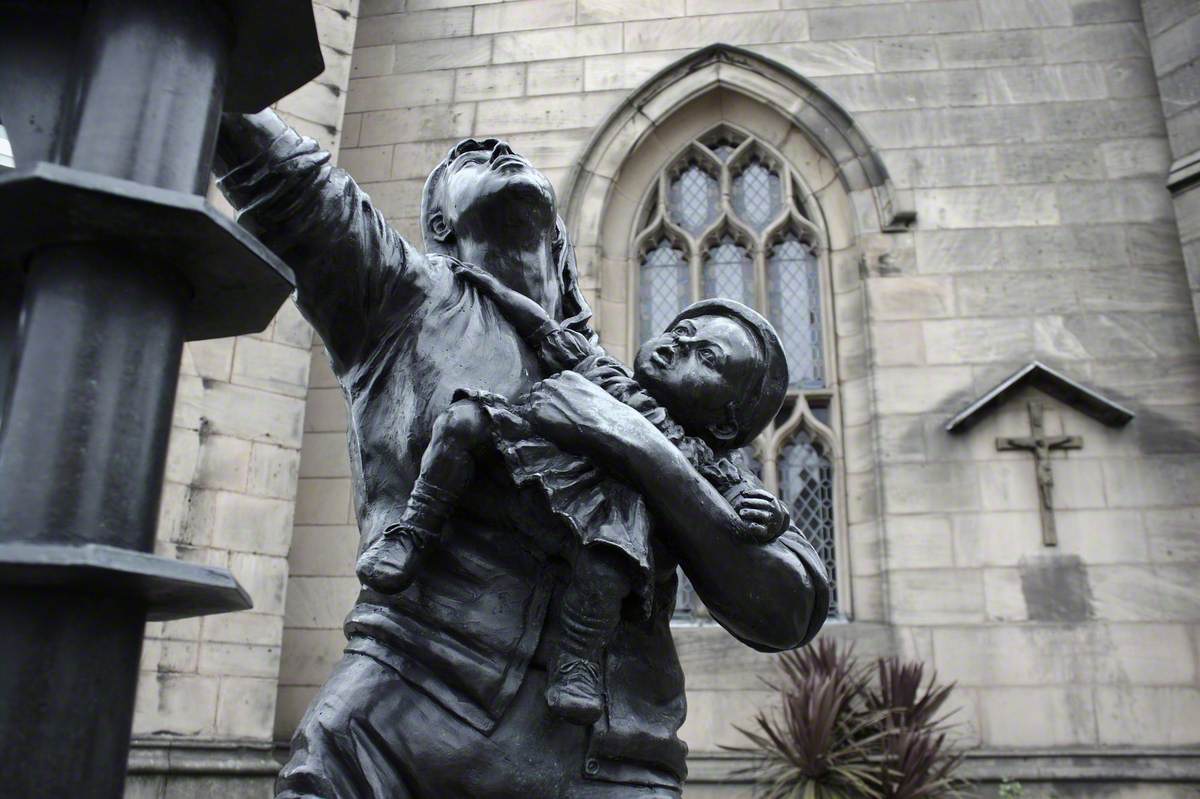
[
  {"x": 757, "y": 194},
  {"x": 794, "y": 300},
  {"x": 729, "y": 271},
  {"x": 694, "y": 200},
  {"x": 665, "y": 289},
  {"x": 806, "y": 485}
]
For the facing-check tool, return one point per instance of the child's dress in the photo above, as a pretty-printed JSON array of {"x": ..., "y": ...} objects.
[{"x": 596, "y": 508}]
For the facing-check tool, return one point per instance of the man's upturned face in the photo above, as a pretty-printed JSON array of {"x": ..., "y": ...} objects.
[
  {"x": 486, "y": 185},
  {"x": 698, "y": 367}
]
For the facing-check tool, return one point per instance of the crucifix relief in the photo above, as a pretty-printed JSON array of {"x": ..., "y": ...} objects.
[{"x": 1040, "y": 445}]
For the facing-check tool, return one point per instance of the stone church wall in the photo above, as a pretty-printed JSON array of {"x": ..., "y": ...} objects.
[{"x": 1030, "y": 138}]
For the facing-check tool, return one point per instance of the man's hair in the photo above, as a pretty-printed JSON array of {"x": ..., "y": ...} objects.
[{"x": 768, "y": 387}]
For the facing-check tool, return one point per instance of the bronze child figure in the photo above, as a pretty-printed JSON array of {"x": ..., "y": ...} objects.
[{"x": 709, "y": 383}]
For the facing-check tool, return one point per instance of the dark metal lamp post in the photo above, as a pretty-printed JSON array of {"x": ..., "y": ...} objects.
[{"x": 109, "y": 260}]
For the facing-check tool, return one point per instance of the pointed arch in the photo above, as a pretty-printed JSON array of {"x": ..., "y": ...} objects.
[{"x": 859, "y": 169}]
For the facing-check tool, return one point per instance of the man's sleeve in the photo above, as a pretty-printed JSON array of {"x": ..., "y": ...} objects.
[{"x": 350, "y": 265}]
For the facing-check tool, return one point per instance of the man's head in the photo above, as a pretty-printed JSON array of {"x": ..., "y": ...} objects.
[
  {"x": 483, "y": 191},
  {"x": 719, "y": 369}
]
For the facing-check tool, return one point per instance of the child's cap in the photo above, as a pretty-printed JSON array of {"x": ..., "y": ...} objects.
[{"x": 767, "y": 397}]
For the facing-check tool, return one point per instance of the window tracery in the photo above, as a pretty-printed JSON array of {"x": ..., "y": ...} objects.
[{"x": 729, "y": 218}]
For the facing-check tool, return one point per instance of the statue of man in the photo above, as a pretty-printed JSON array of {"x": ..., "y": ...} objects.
[{"x": 440, "y": 692}]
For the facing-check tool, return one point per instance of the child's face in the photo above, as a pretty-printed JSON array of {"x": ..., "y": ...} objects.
[{"x": 697, "y": 368}]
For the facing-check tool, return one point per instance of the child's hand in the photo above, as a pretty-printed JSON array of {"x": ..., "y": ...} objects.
[
  {"x": 481, "y": 279},
  {"x": 763, "y": 515}
]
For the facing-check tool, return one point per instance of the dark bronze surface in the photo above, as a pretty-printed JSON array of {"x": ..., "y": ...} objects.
[{"x": 443, "y": 691}]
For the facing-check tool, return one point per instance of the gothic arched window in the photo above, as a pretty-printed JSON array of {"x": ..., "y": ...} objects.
[{"x": 729, "y": 218}]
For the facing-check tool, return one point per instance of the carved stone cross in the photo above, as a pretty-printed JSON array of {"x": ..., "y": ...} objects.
[{"x": 1040, "y": 445}]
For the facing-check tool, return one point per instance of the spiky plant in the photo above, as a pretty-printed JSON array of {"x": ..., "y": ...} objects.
[
  {"x": 839, "y": 734},
  {"x": 821, "y": 742}
]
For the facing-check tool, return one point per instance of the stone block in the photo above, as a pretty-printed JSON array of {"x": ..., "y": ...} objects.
[
  {"x": 1184, "y": 132},
  {"x": 900, "y": 439},
  {"x": 1110, "y": 42},
  {"x": 917, "y": 542},
  {"x": 323, "y": 550},
  {"x": 596, "y": 11},
  {"x": 625, "y": 70},
  {"x": 1015, "y": 294},
  {"x": 222, "y": 462},
  {"x": 742, "y": 29},
  {"x": 1050, "y": 163},
  {"x": 273, "y": 471},
  {"x": 316, "y": 101},
  {"x": 950, "y": 251},
  {"x": 523, "y": 15},
  {"x": 1012, "y": 14},
  {"x": 323, "y": 501},
  {"x": 264, "y": 577},
  {"x": 325, "y": 455},
  {"x": 935, "y": 596},
  {"x": 351, "y": 127},
  {"x": 1162, "y": 14},
  {"x": 921, "y": 389},
  {"x": 310, "y": 655},
  {"x": 1090, "y": 12},
  {"x": 990, "y": 49},
  {"x": 1148, "y": 716},
  {"x": 441, "y": 54},
  {"x": 243, "y": 523},
  {"x": 1076, "y": 247},
  {"x": 906, "y": 90},
  {"x": 320, "y": 602},
  {"x": 1176, "y": 46},
  {"x": 699, "y": 7},
  {"x": 962, "y": 341},
  {"x": 239, "y": 660},
  {"x": 814, "y": 59},
  {"x": 1113, "y": 119},
  {"x": 488, "y": 83},
  {"x": 367, "y": 164},
  {"x": 848, "y": 23},
  {"x": 396, "y": 198},
  {"x": 1176, "y": 584},
  {"x": 178, "y": 704},
  {"x": 1171, "y": 535},
  {"x": 371, "y": 61},
  {"x": 910, "y": 297},
  {"x": 1126, "y": 593},
  {"x": 1008, "y": 485},
  {"x": 1037, "y": 716},
  {"x": 246, "y": 708},
  {"x": 1004, "y": 595},
  {"x": 398, "y": 91},
  {"x": 1131, "y": 78},
  {"x": 555, "y": 77},
  {"x": 291, "y": 328},
  {"x": 930, "y": 488},
  {"x": 1013, "y": 655},
  {"x": 906, "y": 54},
  {"x": 1139, "y": 200},
  {"x": 550, "y": 44},
  {"x": 247, "y": 627},
  {"x": 898, "y": 344},
  {"x": 987, "y": 207},
  {"x": 1164, "y": 480},
  {"x": 996, "y": 538},
  {"x": 714, "y": 715},
  {"x": 277, "y": 368},
  {"x": 933, "y": 167},
  {"x": 545, "y": 113},
  {"x": 160, "y": 655},
  {"x": 1144, "y": 654},
  {"x": 414, "y": 27},
  {"x": 213, "y": 358},
  {"x": 417, "y": 124}
]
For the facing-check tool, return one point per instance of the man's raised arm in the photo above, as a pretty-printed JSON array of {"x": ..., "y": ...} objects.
[{"x": 348, "y": 261}]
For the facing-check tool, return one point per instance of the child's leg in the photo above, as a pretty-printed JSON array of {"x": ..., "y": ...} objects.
[
  {"x": 447, "y": 467},
  {"x": 591, "y": 610}
]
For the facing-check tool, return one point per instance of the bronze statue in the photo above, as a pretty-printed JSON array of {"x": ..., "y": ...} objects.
[{"x": 562, "y": 489}]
